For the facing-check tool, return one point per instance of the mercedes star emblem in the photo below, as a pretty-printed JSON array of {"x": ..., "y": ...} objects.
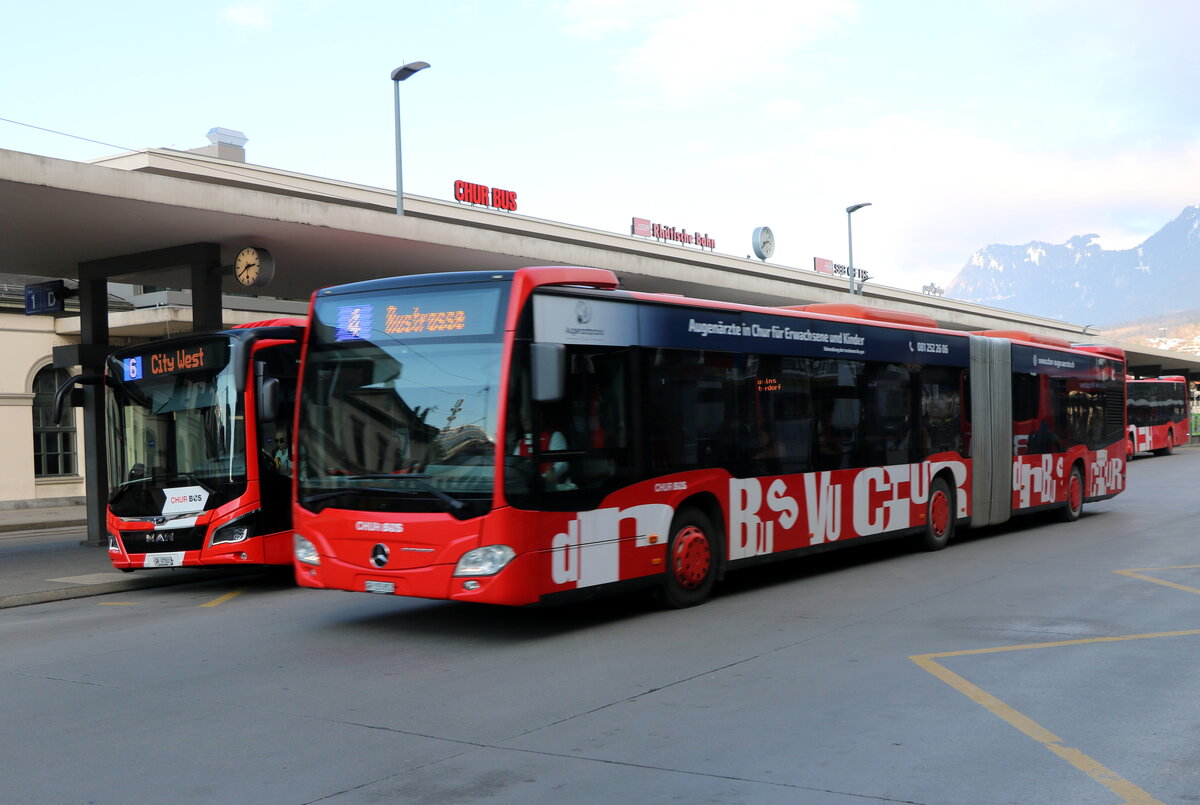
[{"x": 379, "y": 555}]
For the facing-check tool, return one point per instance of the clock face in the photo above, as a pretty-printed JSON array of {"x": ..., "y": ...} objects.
[
  {"x": 253, "y": 266},
  {"x": 764, "y": 242}
]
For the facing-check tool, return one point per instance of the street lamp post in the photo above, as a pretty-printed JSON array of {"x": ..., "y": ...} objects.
[
  {"x": 398, "y": 75},
  {"x": 850, "y": 236}
]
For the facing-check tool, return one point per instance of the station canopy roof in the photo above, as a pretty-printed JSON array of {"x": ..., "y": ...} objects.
[{"x": 59, "y": 214}]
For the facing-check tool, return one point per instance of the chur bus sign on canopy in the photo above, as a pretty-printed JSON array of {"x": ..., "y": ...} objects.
[{"x": 481, "y": 194}]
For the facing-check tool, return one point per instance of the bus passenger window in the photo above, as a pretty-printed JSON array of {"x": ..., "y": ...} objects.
[
  {"x": 783, "y": 417},
  {"x": 836, "y": 409},
  {"x": 939, "y": 426},
  {"x": 692, "y": 401}
]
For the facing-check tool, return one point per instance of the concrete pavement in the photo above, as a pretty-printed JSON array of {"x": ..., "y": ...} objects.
[{"x": 44, "y": 557}]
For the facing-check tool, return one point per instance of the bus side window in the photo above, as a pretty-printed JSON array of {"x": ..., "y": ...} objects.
[
  {"x": 940, "y": 423},
  {"x": 1026, "y": 404},
  {"x": 837, "y": 409},
  {"x": 598, "y": 388},
  {"x": 782, "y": 411},
  {"x": 692, "y": 400},
  {"x": 887, "y": 435}
]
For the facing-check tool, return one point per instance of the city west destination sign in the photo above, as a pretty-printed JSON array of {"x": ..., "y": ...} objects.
[{"x": 643, "y": 227}]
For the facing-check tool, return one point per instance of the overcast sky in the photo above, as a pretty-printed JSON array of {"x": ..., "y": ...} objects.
[{"x": 963, "y": 123}]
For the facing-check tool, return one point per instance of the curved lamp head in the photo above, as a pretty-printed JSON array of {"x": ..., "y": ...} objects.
[
  {"x": 408, "y": 70},
  {"x": 854, "y": 207}
]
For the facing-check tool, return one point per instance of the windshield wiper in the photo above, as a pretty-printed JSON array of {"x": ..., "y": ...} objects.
[
  {"x": 193, "y": 479},
  {"x": 132, "y": 481},
  {"x": 419, "y": 479},
  {"x": 123, "y": 487},
  {"x": 454, "y": 503}
]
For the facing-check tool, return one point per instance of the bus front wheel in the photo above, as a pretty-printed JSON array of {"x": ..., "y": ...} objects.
[
  {"x": 1070, "y": 513},
  {"x": 692, "y": 557}
]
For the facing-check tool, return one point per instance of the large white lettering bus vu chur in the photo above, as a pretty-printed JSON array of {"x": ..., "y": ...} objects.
[{"x": 517, "y": 437}]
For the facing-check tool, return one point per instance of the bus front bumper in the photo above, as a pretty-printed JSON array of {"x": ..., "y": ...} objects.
[{"x": 512, "y": 586}]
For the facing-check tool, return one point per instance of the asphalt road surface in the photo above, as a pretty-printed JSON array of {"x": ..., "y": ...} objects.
[{"x": 1035, "y": 663}]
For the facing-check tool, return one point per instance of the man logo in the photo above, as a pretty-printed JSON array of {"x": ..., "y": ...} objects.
[
  {"x": 379, "y": 555},
  {"x": 583, "y": 312}
]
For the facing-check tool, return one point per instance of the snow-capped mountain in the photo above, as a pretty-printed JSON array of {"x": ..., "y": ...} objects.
[{"x": 1080, "y": 282}]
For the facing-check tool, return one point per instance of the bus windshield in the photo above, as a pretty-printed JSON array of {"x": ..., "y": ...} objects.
[
  {"x": 175, "y": 420},
  {"x": 400, "y": 390}
]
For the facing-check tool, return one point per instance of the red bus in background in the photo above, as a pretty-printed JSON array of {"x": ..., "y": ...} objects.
[
  {"x": 523, "y": 436},
  {"x": 199, "y": 435},
  {"x": 1158, "y": 414}
]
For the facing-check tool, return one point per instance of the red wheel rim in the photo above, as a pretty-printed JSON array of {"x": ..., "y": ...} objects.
[
  {"x": 1075, "y": 492},
  {"x": 939, "y": 513},
  {"x": 692, "y": 558}
]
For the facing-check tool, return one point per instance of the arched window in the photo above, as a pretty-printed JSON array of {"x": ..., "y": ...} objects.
[{"x": 53, "y": 443}]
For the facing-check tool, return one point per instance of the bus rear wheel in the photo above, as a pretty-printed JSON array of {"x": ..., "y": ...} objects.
[
  {"x": 939, "y": 516},
  {"x": 1070, "y": 513},
  {"x": 1166, "y": 451},
  {"x": 692, "y": 558}
]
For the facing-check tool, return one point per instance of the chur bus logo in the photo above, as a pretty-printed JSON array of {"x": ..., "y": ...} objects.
[
  {"x": 379, "y": 555},
  {"x": 390, "y": 528},
  {"x": 583, "y": 311}
]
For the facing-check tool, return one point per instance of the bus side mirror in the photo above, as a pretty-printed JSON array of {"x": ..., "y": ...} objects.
[
  {"x": 268, "y": 399},
  {"x": 549, "y": 364},
  {"x": 68, "y": 389}
]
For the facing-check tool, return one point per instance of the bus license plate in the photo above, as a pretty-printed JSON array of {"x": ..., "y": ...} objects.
[
  {"x": 386, "y": 587},
  {"x": 164, "y": 560}
]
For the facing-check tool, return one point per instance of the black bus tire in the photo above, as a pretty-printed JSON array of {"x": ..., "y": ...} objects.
[
  {"x": 1070, "y": 512},
  {"x": 692, "y": 560},
  {"x": 940, "y": 513}
]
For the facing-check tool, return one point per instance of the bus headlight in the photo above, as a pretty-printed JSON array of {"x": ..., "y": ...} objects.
[
  {"x": 239, "y": 530},
  {"x": 305, "y": 551},
  {"x": 113, "y": 545},
  {"x": 484, "y": 561}
]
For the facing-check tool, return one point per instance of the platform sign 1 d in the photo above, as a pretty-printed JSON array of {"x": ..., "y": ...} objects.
[{"x": 45, "y": 297}]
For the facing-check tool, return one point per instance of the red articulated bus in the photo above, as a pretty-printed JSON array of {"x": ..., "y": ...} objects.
[
  {"x": 523, "y": 436},
  {"x": 1158, "y": 414},
  {"x": 199, "y": 437}
]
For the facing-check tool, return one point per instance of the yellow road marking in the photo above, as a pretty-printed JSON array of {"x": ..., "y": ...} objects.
[
  {"x": 216, "y": 602},
  {"x": 1132, "y": 794},
  {"x": 1136, "y": 573}
]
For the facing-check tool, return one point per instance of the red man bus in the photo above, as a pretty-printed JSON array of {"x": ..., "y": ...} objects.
[
  {"x": 521, "y": 436},
  {"x": 1157, "y": 414},
  {"x": 199, "y": 435}
]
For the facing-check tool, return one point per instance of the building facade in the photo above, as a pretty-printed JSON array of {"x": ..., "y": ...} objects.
[{"x": 43, "y": 458}]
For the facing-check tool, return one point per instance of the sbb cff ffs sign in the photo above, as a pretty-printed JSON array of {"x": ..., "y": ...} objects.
[
  {"x": 471, "y": 193},
  {"x": 824, "y": 266}
]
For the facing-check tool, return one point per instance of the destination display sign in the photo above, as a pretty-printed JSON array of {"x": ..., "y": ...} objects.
[
  {"x": 407, "y": 314},
  {"x": 174, "y": 360}
]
